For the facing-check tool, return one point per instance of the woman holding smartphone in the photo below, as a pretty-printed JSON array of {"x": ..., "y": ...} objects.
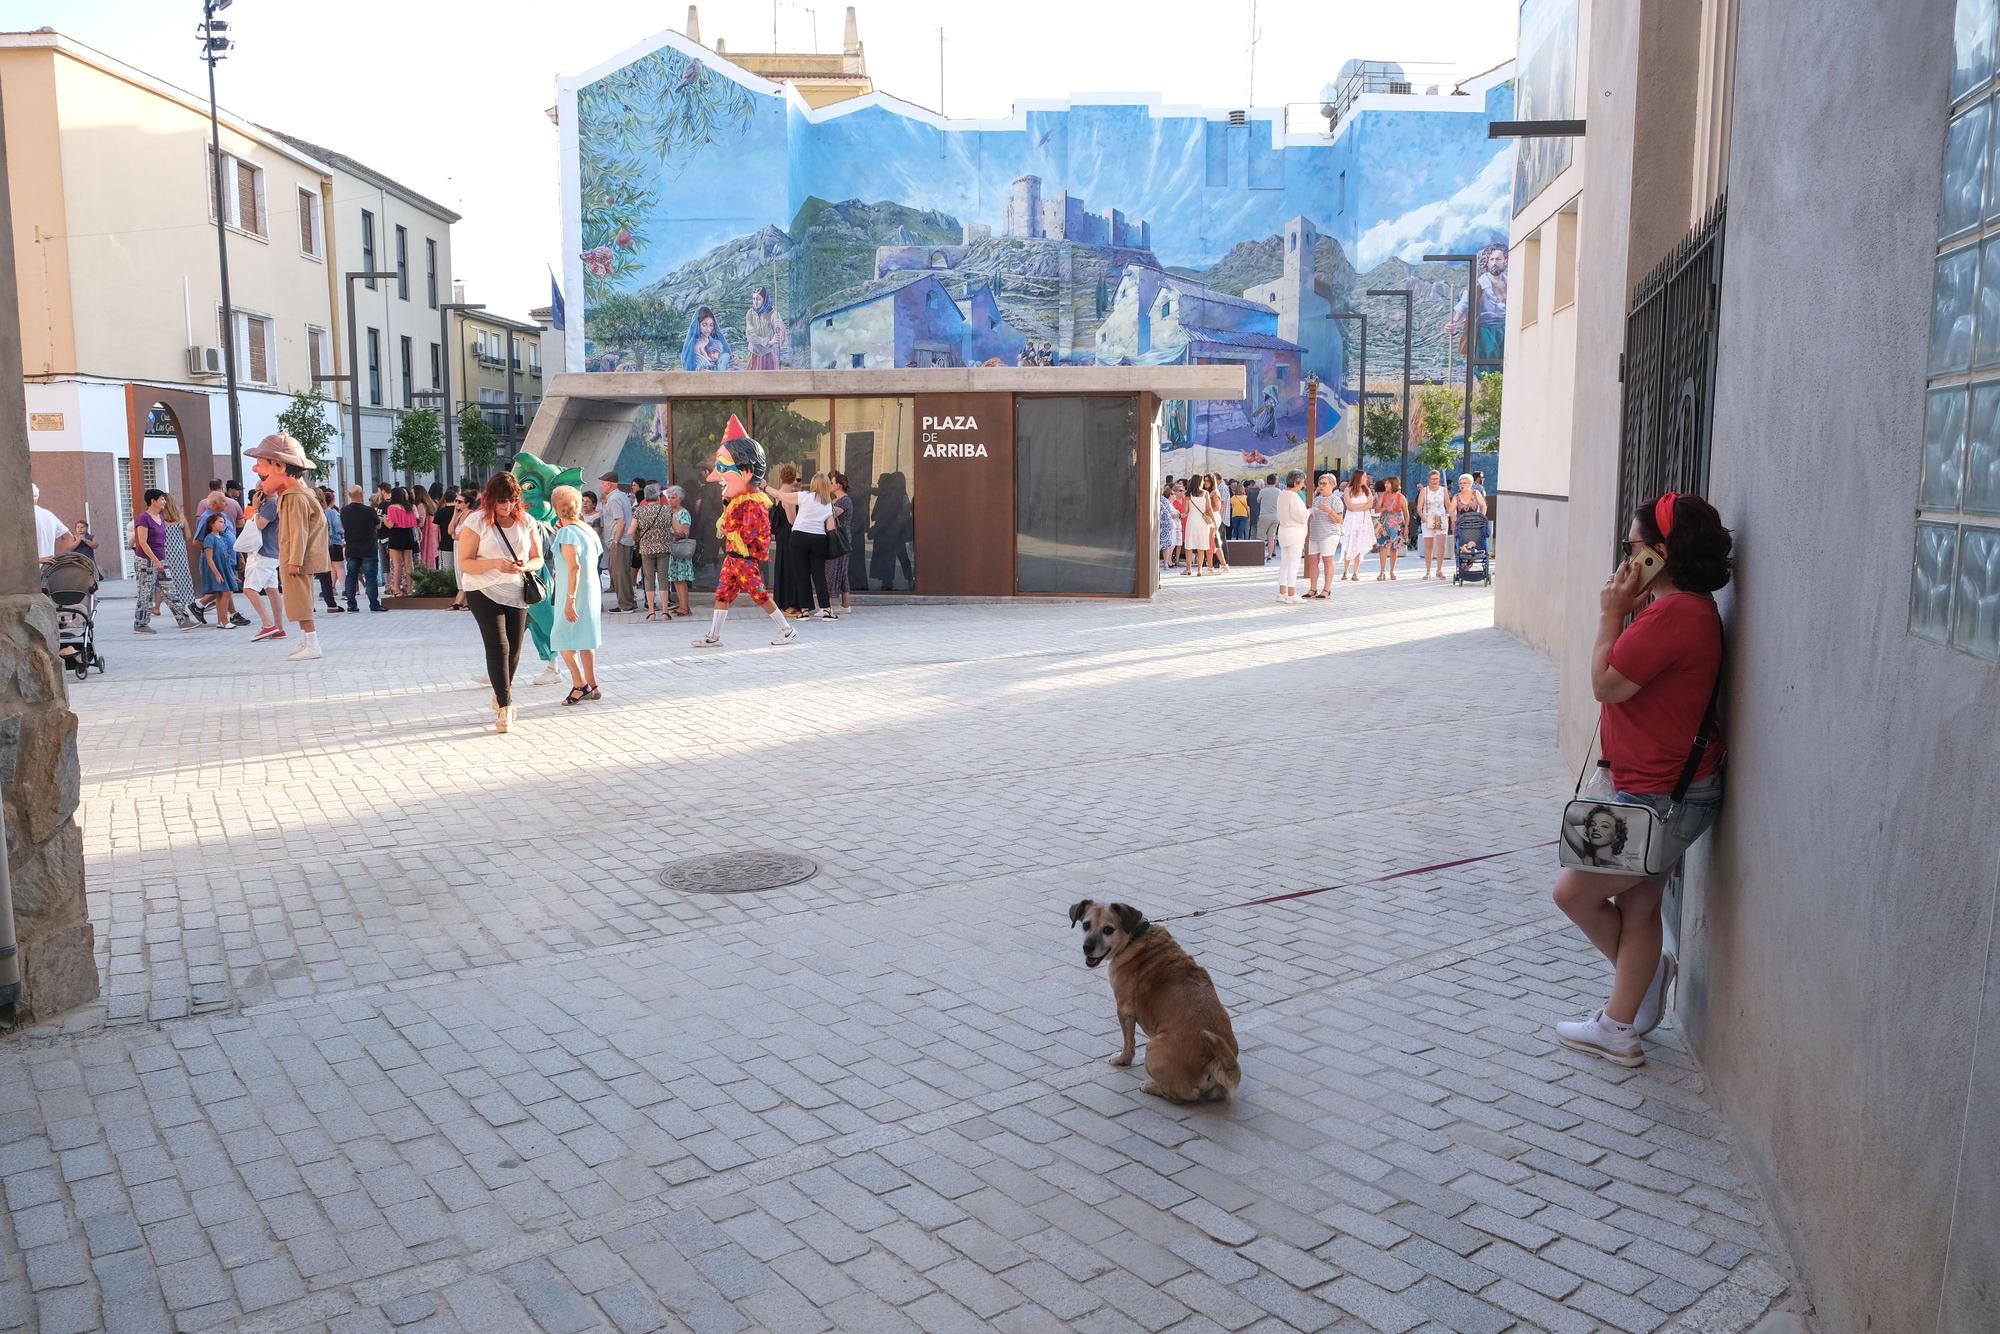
[{"x": 1655, "y": 680}]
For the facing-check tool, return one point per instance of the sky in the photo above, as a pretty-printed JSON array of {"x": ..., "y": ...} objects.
[{"x": 449, "y": 96}]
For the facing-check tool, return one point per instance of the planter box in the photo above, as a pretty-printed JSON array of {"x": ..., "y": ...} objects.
[
  {"x": 1244, "y": 552},
  {"x": 417, "y": 604}
]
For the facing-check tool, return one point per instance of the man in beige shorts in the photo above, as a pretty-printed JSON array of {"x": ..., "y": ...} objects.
[{"x": 281, "y": 470}]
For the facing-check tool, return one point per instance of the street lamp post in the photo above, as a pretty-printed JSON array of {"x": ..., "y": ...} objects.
[
  {"x": 445, "y": 347},
  {"x": 1409, "y": 317},
  {"x": 1471, "y": 263},
  {"x": 214, "y": 47},
  {"x": 353, "y": 359}
]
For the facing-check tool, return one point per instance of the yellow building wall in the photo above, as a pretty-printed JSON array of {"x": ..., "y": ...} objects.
[
  {"x": 35, "y": 182},
  {"x": 136, "y": 185}
]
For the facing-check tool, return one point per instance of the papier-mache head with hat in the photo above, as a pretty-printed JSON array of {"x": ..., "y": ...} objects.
[
  {"x": 280, "y": 461},
  {"x": 740, "y": 464}
]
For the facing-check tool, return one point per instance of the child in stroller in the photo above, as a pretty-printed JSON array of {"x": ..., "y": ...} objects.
[
  {"x": 1469, "y": 545},
  {"x": 71, "y": 581}
]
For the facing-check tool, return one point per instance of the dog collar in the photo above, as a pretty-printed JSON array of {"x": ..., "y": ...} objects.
[{"x": 1143, "y": 927}]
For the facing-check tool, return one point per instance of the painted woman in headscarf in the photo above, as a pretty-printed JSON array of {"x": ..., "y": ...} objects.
[
  {"x": 707, "y": 347},
  {"x": 764, "y": 330}
]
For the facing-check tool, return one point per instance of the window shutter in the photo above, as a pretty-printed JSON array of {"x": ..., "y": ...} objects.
[
  {"x": 259, "y": 365},
  {"x": 306, "y": 229},
  {"x": 312, "y": 356},
  {"x": 246, "y": 197}
]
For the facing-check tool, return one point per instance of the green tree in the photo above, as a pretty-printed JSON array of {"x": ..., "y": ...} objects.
[
  {"x": 1486, "y": 413},
  {"x": 1438, "y": 424},
  {"x": 477, "y": 445},
  {"x": 304, "y": 420},
  {"x": 1382, "y": 434},
  {"x": 417, "y": 445}
]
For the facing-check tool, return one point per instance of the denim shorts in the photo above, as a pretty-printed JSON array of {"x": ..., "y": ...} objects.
[{"x": 1696, "y": 814}]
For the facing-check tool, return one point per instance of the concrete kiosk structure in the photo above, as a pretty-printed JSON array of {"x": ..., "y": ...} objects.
[{"x": 1035, "y": 481}]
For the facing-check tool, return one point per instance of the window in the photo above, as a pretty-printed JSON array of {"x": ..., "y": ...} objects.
[
  {"x": 534, "y": 359},
  {"x": 1074, "y": 493},
  {"x": 1340, "y": 195},
  {"x": 256, "y": 347},
  {"x": 368, "y": 249},
  {"x": 243, "y": 207},
  {"x": 409, "y": 380},
  {"x": 317, "y": 358},
  {"x": 375, "y": 367},
  {"x": 860, "y": 360},
  {"x": 437, "y": 369},
  {"x": 403, "y": 262},
  {"x": 1529, "y": 287},
  {"x": 1955, "y": 572},
  {"x": 309, "y": 226},
  {"x": 431, "y": 269},
  {"x": 1565, "y": 260}
]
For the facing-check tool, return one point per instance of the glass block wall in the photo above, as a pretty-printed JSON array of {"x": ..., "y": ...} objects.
[{"x": 1955, "y": 578}]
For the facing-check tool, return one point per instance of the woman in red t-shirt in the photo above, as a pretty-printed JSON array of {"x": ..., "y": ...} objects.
[{"x": 1655, "y": 679}]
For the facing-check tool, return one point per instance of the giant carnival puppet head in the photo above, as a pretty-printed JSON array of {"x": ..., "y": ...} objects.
[
  {"x": 281, "y": 463},
  {"x": 739, "y": 462},
  {"x": 539, "y": 481}
]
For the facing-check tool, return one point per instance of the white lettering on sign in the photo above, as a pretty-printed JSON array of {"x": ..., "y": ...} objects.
[
  {"x": 955, "y": 451},
  {"x": 951, "y": 423}
]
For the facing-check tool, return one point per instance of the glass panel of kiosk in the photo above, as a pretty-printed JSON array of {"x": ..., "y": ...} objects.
[{"x": 1076, "y": 494}]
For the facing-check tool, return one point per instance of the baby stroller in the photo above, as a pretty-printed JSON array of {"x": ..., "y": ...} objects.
[
  {"x": 1469, "y": 544},
  {"x": 70, "y": 580}
]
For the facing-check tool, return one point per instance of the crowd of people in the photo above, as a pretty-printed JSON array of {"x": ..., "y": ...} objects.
[{"x": 1332, "y": 529}]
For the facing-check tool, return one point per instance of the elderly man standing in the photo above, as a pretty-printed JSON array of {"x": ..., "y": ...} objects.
[
  {"x": 282, "y": 466},
  {"x": 615, "y": 511},
  {"x": 52, "y": 536}
]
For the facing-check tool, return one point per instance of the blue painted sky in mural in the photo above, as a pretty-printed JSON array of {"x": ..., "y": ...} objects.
[{"x": 1414, "y": 179}]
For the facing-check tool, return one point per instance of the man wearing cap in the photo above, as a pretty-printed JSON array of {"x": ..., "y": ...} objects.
[
  {"x": 281, "y": 469},
  {"x": 614, "y": 509}
]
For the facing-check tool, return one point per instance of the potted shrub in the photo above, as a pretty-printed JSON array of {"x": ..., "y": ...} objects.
[{"x": 431, "y": 590}]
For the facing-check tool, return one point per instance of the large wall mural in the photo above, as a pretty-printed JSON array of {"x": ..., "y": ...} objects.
[
  {"x": 1547, "y": 92},
  {"x": 717, "y": 223}
]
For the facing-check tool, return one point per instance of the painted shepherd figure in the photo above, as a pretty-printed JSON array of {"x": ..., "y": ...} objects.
[
  {"x": 764, "y": 329},
  {"x": 745, "y": 530}
]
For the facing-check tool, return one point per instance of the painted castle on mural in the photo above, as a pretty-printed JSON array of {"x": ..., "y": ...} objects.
[{"x": 719, "y": 223}]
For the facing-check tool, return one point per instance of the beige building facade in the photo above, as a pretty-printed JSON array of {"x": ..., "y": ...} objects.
[
  {"x": 115, "y": 257},
  {"x": 1836, "y": 930},
  {"x": 480, "y": 373},
  {"x": 401, "y": 339}
]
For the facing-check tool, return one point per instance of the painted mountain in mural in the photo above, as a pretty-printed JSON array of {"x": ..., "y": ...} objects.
[{"x": 1251, "y": 262}]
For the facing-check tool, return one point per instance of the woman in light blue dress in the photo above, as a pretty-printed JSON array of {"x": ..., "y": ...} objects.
[{"x": 579, "y": 627}]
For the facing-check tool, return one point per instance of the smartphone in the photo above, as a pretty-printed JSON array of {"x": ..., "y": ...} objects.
[{"x": 1649, "y": 563}]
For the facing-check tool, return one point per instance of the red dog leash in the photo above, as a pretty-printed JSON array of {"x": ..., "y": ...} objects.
[{"x": 1353, "y": 884}]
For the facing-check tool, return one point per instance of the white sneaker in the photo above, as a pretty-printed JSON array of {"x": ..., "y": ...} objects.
[
  {"x": 1653, "y": 1007},
  {"x": 785, "y": 638},
  {"x": 304, "y": 652},
  {"x": 549, "y": 675},
  {"x": 1598, "y": 1036},
  {"x": 709, "y": 641}
]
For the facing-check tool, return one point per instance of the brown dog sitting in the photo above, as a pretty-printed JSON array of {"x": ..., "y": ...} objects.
[{"x": 1190, "y": 1047}]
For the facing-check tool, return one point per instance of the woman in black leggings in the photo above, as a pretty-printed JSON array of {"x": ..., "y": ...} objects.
[{"x": 496, "y": 551}]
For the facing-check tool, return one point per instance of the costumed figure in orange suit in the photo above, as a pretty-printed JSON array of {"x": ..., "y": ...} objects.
[{"x": 745, "y": 529}]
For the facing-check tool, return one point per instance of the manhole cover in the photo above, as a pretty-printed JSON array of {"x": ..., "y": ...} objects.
[{"x": 748, "y": 872}]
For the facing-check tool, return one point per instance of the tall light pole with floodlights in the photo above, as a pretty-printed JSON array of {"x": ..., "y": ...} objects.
[{"x": 215, "y": 46}]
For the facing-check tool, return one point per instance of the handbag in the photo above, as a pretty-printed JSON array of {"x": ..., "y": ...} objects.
[
  {"x": 681, "y": 548},
  {"x": 837, "y": 542},
  {"x": 1606, "y": 836},
  {"x": 531, "y": 587},
  {"x": 250, "y": 540}
]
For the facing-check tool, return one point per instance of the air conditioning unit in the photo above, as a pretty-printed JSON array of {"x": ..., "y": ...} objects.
[{"x": 205, "y": 361}]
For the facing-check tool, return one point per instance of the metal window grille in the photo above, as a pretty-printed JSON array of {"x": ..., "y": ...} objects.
[{"x": 1668, "y": 372}]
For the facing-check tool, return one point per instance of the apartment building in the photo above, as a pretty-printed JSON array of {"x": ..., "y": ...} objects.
[
  {"x": 113, "y": 210},
  {"x": 481, "y": 375},
  {"x": 400, "y": 336},
  {"x": 1781, "y": 301}
]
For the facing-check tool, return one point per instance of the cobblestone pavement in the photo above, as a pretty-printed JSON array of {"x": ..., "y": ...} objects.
[{"x": 400, "y": 1032}]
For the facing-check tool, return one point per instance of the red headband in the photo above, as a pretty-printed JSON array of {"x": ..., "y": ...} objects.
[{"x": 1663, "y": 513}]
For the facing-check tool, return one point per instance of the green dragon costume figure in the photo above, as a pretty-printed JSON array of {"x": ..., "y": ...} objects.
[{"x": 538, "y": 482}]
